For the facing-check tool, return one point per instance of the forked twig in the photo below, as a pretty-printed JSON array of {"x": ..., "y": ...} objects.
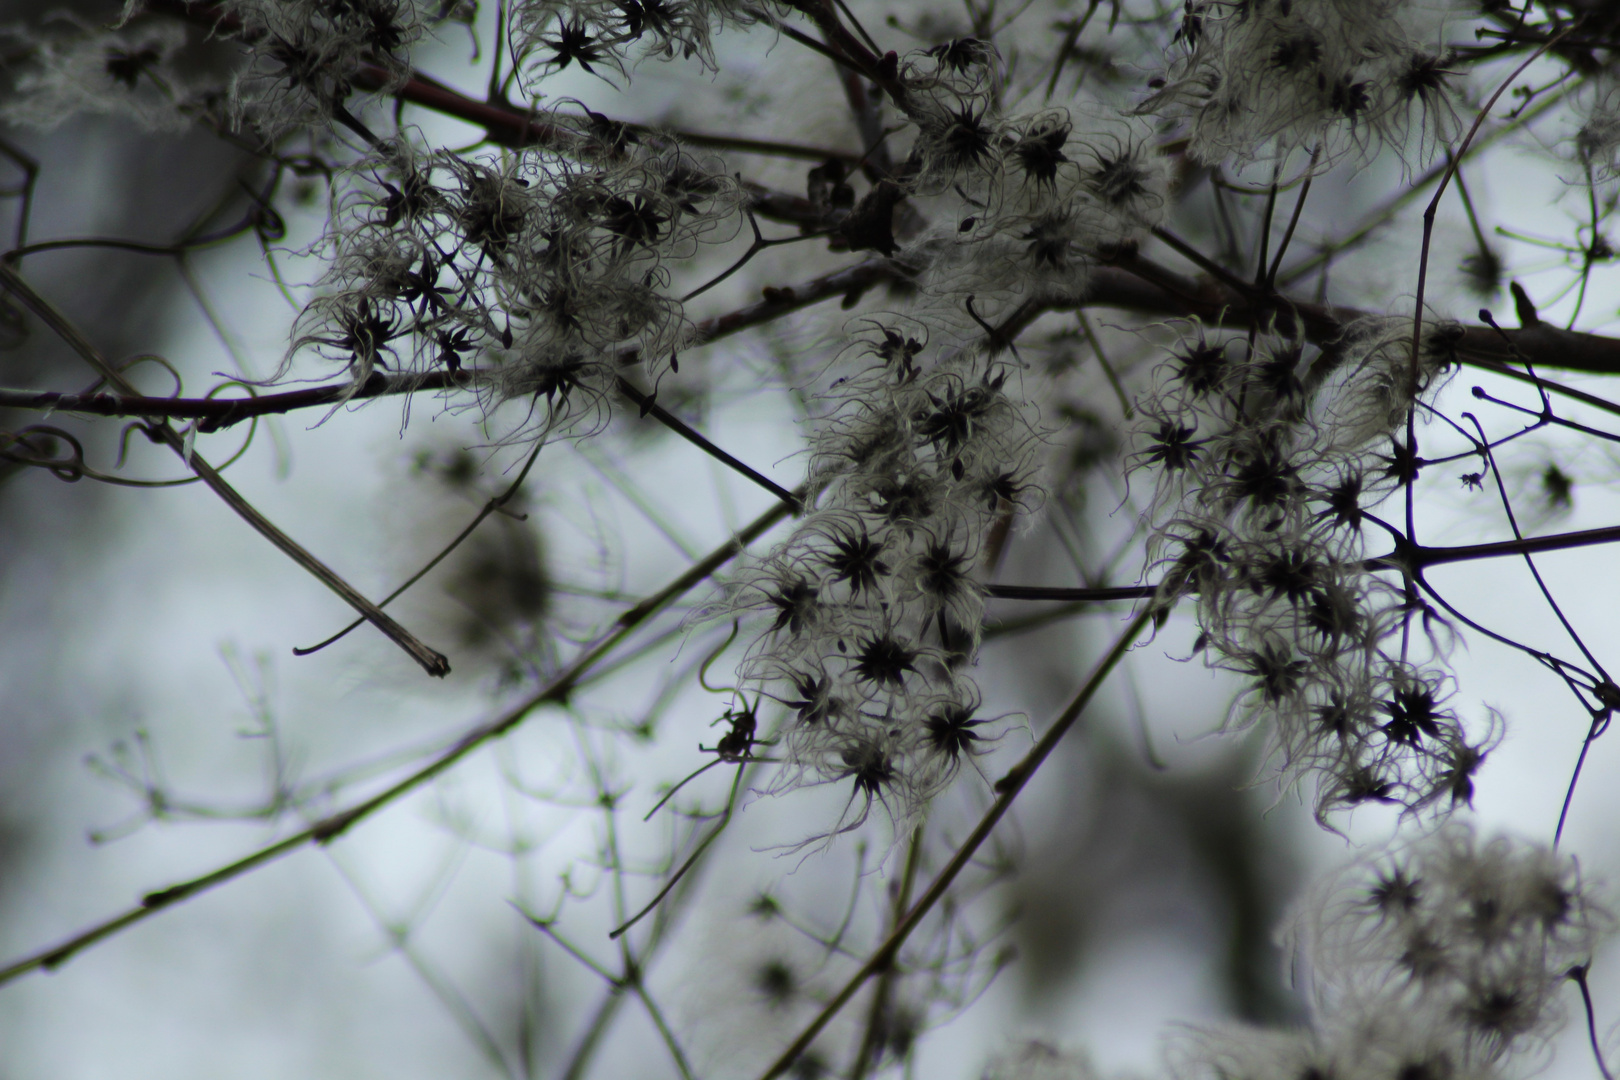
[
  {"x": 497, "y": 502},
  {"x": 431, "y": 660}
]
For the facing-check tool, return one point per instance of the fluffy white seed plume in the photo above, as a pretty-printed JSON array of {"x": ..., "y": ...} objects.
[
  {"x": 1445, "y": 957},
  {"x": 72, "y": 68},
  {"x": 1037, "y": 1060}
]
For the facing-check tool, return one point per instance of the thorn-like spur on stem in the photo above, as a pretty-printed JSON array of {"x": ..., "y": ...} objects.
[
  {"x": 1578, "y": 976},
  {"x": 1415, "y": 557},
  {"x": 1008, "y": 789},
  {"x": 431, "y": 660}
]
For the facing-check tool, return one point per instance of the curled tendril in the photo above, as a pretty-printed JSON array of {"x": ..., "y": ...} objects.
[
  {"x": 37, "y": 447},
  {"x": 147, "y": 358}
]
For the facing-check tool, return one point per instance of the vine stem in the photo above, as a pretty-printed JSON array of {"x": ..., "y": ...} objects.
[{"x": 1008, "y": 789}]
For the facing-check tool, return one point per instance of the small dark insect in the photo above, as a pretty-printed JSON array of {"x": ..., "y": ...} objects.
[{"x": 735, "y": 744}]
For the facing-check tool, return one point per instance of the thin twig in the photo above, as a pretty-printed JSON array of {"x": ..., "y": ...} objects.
[
  {"x": 498, "y": 502},
  {"x": 334, "y": 825},
  {"x": 675, "y": 878},
  {"x": 431, "y": 660}
]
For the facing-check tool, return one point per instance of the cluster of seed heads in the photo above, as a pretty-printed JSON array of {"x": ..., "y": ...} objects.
[
  {"x": 1340, "y": 76},
  {"x": 1443, "y": 959},
  {"x": 1269, "y": 458},
  {"x": 548, "y": 268},
  {"x": 871, "y": 609}
]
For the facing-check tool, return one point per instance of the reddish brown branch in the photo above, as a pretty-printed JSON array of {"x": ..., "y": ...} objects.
[{"x": 1137, "y": 285}]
